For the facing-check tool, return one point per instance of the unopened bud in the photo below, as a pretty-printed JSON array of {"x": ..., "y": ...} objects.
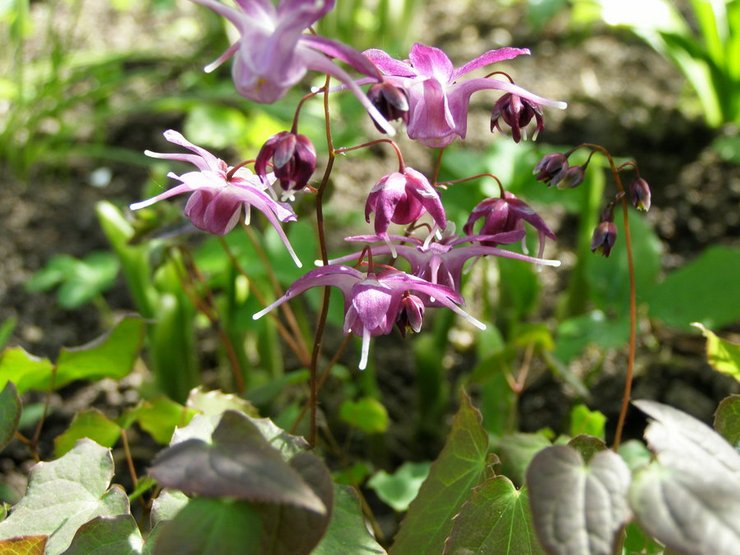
[
  {"x": 550, "y": 167},
  {"x": 391, "y": 101},
  {"x": 640, "y": 196},
  {"x": 570, "y": 177},
  {"x": 293, "y": 159},
  {"x": 604, "y": 237}
]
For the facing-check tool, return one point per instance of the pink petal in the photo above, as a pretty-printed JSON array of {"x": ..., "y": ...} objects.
[
  {"x": 388, "y": 65},
  {"x": 431, "y": 62},
  {"x": 488, "y": 58},
  {"x": 347, "y": 54},
  {"x": 177, "y": 138},
  {"x": 430, "y": 120}
]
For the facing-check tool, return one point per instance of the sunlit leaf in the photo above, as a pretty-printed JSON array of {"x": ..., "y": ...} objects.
[
  {"x": 635, "y": 454},
  {"x": 10, "y": 413},
  {"x": 496, "y": 519},
  {"x": 400, "y": 488},
  {"x": 110, "y": 356},
  {"x": 689, "y": 499},
  {"x": 207, "y": 525},
  {"x": 727, "y": 419},
  {"x": 24, "y": 545},
  {"x": 237, "y": 462},
  {"x": 168, "y": 503},
  {"x": 587, "y": 422},
  {"x": 367, "y": 414},
  {"x": 116, "y": 534},
  {"x": 64, "y": 494},
  {"x": 92, "y": 424},
  {"x": 578, "y": 508},
  {"x": 24, "y": 370},
  {"x": 461, "y": 466},
  {"x": 347, "y": 531},
  {"x": 216, "y": 402},
  {"x": 159, "y": 417},
  {"x": 722, "y": 355}
]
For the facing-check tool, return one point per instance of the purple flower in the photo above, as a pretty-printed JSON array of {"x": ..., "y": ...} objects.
[
  {"x": 391, "y": 101},
  {"x": 604, "y": 237},
  {"x": 411, "y": 314},
  {"x": 402, "y": 198},
  {"x": 438, "y": 97},
  {"x": 293, "y": 160},
  {"x": 220, "y": 192},
  {"x": 441, "y": 262},
  {"x": 516, "y": 112},
  {"x": 640, "y": 195},
  {"x": 273, "y": 53},
  {"x": 551, "y": 168},
  {"x": 372, "y": 302},
  {"x": 508, "y": 214}
]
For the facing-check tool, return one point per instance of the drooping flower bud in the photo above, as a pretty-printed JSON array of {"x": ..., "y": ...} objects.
[
  {"x": 550, "y": 168},
  {"x": 605, "y": 234},
  {"x": 391, "y": 101},
  {"x": 293, "y": 159},
  {"x": 639, "y": 192},
  {"x": 411, "y": 314},
  {"x": 516, "y": 112},
  {"x": 569, "y": 177}
]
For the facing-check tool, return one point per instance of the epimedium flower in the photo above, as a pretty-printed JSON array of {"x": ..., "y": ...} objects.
[
  {"x": 640, "y": 195},
  {"x": 550, "y": 169},
  {"x": 438, "y": 97},
  {"x": 373, "y": 302},
  {"x": 293, "y": 159},
  {"x": 605, "y": 234},
  {"x": 508, "y": 214},
  {"x": 219, "y": 192},
  {"x": 401, "y": 198},
  {"x": 516, "y": 112},
  {"x": 273, "y": 53}
]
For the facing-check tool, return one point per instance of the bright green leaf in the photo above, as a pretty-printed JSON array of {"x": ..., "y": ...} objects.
[
  {"x": 159, "y": 417},
  {"x": 64, "y": 494},
  {"x": 727, "y": 419},
  {"x": 722, "y": 355},
  {"x": 24, "y": 370},
  {"x": 10, "y": 413},
  {"x": 400, "y": 488},
  {"x": 111, "y": 535},
  {"x": 92, "y": 424},
  {"x": 367, "y": 414},
  {"x": 347, "y": 532},
  {"x": 496, "y": 519},
  {"x": 461, "y": 466},
  {"x": 216, "y": 402},
  {"x": 584, "y": 421},
  {"x": 6, "y": 330},
  {"x": 110, "y": 356}
]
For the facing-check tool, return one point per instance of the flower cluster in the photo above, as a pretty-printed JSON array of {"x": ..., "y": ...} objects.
[{"x": 431, "y": 98}]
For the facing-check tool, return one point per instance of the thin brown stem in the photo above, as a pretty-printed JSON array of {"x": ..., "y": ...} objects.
[
  {"x": 129, "y": 458},
  {"x": 401, "y": 164},
  {"x": 39, "y": 426},
  {"x": 437, "y": 165},
  {"x": 477, "y": 176}
]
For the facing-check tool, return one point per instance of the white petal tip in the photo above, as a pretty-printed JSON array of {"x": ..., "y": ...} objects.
[
  {"x": 319, "y": 263},
  {"x": 561, "y": 105},
  {"x": 260, "y": 314}
]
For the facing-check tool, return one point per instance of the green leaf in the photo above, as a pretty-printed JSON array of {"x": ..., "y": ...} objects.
[
  {"x": 496, "y": 519},
  {"x": 575, "y": 334},
  {"x": 6, "y": 330},
  {"x": 368, "y": 414},
  {"x": 689, "y": 499},
  {"x": 24, "y": 370},
  {"x": 10, "y": 414},
  {"x": 92, "y": 424},
  {"x": 216, "y": 402},
  {"x": 165, "y": 507},
  {"x": 64, "y": 494},
  {"x": 207, "y": 525},
  {"x": 722, "y": 355},
  {"x": 635, "y": 454},
  {"x": 727, "y": 419},
  {"x": 106, "y": 535},
  {"x": 587, "y": 446},
  {"x": 400, "y": 488},
  {"x": 584, "y": 421},
  {"x": 110, "y": 356},
  {"x": 237, "y": 462},
  {"x": 347, "y": 532},
  {"x": 158, "y": 417},
  {"x": 706, "y": 290},
  {"x": 461, "y": 466},
  {"x": 516, "y": 451},
  {"x": 578, "y": 509}
]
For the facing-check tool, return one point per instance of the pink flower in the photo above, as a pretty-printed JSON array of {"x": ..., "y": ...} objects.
[
  {"x": 373, "y": 303},
  {"x": 220, "y": 192},
  {"x": 438, "y": 98}
]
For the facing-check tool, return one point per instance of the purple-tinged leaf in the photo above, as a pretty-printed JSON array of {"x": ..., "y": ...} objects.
[
  {"x": 348, "y": 532},
  {"x": 91, "y": 424},
  {"x": 238, "y": 462},
  {"x": 294, "y": 531},
  {"x": 24, "y": 545},
  {"x": 10, "y": 413},
  {"x": 496, "y": 519},
  {"x": 727, "y": 419},
  {"x": 689, "y": 499},
  {"x": 462, "y": 464},
  {"x": 578, "y": 509},
  {"x": 64, "y": 494},
  {"x": 117, "y": 534},
  {"x": 210, "y": 526}
]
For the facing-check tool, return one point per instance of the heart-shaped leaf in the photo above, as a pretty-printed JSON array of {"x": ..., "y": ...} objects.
[
  {"x": 237, "y": 462},
  {"x": 117, "y": 534},
  {"x": 400, "y": 488},
  {"x": 10, "y": 413},
  {"x": 461, "y": 466},
  {"x": 347, "y": 531},
  {"x": 64, "y": 494},
  {"x": 577, "y": 508},
  {"x": 496, "y": 519},
  {"x": 91, "y": 424},
  {"x": 690, "y": 498}
]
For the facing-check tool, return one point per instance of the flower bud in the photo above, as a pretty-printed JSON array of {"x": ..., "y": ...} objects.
[
  {"x": 516, "y": 112},
  {"x": 391, "y": 101},
  {"x": 604, "y": 237},
  {"x": 293, "y": 159},
  {"x": 411, "y": 314},
  {"x": 640, "y": 196},
  {"x": 550, "y": 168},
  {"x": 569, "y": 177}
]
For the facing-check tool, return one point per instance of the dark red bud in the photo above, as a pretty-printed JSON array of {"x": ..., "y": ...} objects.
[
  {"x": 604, "y": 237},
  {"x": 640, "y": 196},
  {"x": 411, "y": 314},
  {"x": 516, "y": 112},
  {"x": 391, "y": 101},
  {"x": 293, "y": 159},
  {"x": 548, "y": 170},
  {"x": 570, "y": 177}
]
